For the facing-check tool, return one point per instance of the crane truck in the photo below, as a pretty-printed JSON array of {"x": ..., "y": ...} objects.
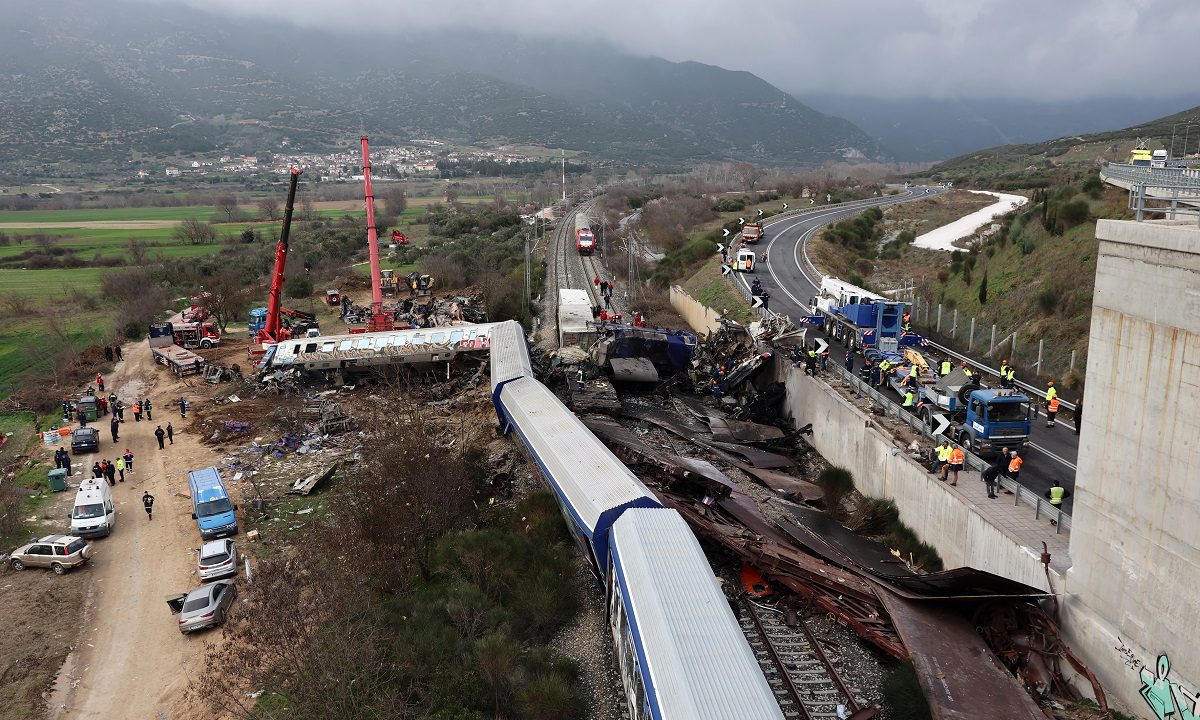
[
  {"x": 861, "y": 319},
  {"x": 982, "y": 420},
  {"x": 273, "y": 329},
  {"x": 379, "y": 320}
]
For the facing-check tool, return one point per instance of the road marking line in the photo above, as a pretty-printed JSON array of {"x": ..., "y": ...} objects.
[{"x": 1047, "y": 453}]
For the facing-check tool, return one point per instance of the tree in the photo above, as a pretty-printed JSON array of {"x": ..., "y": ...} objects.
[
  {"x": 227, "y": 296},
  {"x": 269, "y": 207},
  {"x": 452, "y": 193},
  {"x": 298, "y": 286},
  {"x": 227, "y": 205},
  {"x": 748, "y": 175},
  {"x": 395, "y": 200},
  {"x": 983, "y": 290},
  {"x": 194, "y": 232}
]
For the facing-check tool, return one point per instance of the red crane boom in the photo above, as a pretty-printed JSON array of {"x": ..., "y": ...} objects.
[
  {"x": 271, "y": 329},
  {"x": 379, "y": 320}
]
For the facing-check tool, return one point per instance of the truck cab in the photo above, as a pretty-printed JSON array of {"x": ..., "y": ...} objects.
[
  {"x": 196, "y": 335},
  {"x": 752, "y": 232},
  {"x": 995, "y": 419}
]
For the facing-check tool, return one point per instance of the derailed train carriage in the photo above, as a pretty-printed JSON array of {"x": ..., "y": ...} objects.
[{"x": 680, "y": 649}]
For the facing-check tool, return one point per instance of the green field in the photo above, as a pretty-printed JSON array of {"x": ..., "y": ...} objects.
[{"x": 163, "y": 214}]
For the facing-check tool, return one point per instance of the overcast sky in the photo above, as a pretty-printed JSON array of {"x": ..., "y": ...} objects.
[{"x": 1036, "y": 49}]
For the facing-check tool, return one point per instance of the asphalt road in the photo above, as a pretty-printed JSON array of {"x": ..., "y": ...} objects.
[{"x": 792, "y": 282}]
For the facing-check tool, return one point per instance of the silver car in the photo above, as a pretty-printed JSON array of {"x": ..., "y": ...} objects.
[
  {"x": 206, "y": 606},
  {"x": 60, "y": 553},
  {"x": 216, "y": 559}
]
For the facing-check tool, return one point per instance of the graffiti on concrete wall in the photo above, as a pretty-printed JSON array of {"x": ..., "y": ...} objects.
[{"x": 1165, "y": 697}]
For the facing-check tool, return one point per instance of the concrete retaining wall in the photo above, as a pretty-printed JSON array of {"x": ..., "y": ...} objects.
[
  {"x": 701, "y": 318},
  {"x": 850, "y": 438}
]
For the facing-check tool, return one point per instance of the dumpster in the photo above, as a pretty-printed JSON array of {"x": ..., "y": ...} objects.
[
  {"x": 88, "y": 404},
  {"x": 58, "y": 479}
]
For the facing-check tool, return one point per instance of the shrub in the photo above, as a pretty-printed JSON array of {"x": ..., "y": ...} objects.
[
  {"x": 1074, "y": 212},
  {"x": 837, "y": 482},
  {"x": 298, "y": 286},
  {"x": 943, "y": 275},
  {"x": 1047, "y": 300},
  {"x": 729, "y": 204},
  {"x": 983, "y": 290}
]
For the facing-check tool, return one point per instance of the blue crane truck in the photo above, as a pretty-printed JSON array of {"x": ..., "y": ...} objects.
[
  {"x": 860, "y": 319},
  {"x": 982, "y": 420}
]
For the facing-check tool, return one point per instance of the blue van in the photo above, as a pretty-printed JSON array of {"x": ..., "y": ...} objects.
[{"x": 211, "y": 507}]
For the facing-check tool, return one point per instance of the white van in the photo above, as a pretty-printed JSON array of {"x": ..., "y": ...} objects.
[{"x": 93, "y": 514}]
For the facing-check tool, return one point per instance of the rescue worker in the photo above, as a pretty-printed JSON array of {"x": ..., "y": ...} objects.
[
  {"x": 756, "y": 287},
  {"x": 1078, "y": 414},
  {"x": 849, "y": 360},
  {"x": 875, "y": 372},
  {"x": 148, "y": 503},
  {"x": 1051, "y": 391},
  {"x": 946, "y": 368},
  {"x": 137, "y": 410},
  {"x": 766, "y": 299},
  {"x": 100, "y": 381},
  {"x": 147, "y": 408},
  {"x": 1051, "y": 411},
  {"x": 121, "y": 467},
  {"x": 117, "y": 351},
  {"x": 967, "y": 369},
  {"x": 1014, "y": 466},
  {"x": 810, "y": 362},
  {"x": 991, "y": 474},
  {"x": 113, "y": 426},
  {"x": 160, "y": 435},
  {"x": 1004, "y": 374},
  {"x": 884, "y": 365},
  {"x": 1056, "y": 495},
  {"x": 943, "y": 456},
  {"x": 910, "y": 399},
  {"x": 957, "y": 459},
  {"x": 96, "y": 471},
  {"x": 182, "y": 407},
  {"x": 1011, "y": 376},
  {"x": 171, "y": 433},
  {"x": 128, "y": 460},
  {"x": 907, "y": 326},
  {"x": 825, "y": 360}
]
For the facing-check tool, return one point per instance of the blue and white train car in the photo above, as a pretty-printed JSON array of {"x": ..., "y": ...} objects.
[
  {"x": 510, "y": 355},
  {"x": 592, "y": 486},
  {"x": 680, "y": 650}
]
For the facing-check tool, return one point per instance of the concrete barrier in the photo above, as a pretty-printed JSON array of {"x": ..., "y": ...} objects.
[
  {"x": 960, "y": 531},
  {"x": 701, "y": 318}
]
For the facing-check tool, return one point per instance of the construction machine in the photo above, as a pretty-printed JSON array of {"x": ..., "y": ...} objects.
[
  {"x": 380, "y": 320},
  {"x": 273, "y": 330}
]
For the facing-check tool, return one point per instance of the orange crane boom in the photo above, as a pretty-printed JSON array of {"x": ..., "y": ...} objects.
[{"x": 379, "y": 319}]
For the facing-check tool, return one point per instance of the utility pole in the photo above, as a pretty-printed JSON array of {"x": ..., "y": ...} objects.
[
  {"x": 564, "y": 165},
  {"x": 525, "y": 307}
]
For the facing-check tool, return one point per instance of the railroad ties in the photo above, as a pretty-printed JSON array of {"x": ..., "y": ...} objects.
[{"x": 802, "y": 676}]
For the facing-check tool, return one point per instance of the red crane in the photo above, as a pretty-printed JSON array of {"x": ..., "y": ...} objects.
[
  {"x": 379, "y": 320},
  {"x": 272, "y": 331}
]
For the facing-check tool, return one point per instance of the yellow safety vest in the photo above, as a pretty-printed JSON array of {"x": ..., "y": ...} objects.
[
  {"x": 1056, "y": 495},
  {"x": 1011, "y": 373},
  {"x": 1051, "y": 393},
  {"x": 944, "y": 453},
  {"x": 908, "y": 399},
  {"x": 947, "y": 367}
]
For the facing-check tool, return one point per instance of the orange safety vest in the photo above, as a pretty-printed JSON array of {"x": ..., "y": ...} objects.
[
  {"x": 956, "y": 457},
  {"x": 1053, "y": 406},
  {"x": 1014, "y": 465}
]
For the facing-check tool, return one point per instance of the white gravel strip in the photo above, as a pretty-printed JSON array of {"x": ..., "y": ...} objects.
[{"x": 943, "y": 238}]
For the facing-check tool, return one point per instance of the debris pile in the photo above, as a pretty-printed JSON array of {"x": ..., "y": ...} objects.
[{"x": 424, "y": 312}]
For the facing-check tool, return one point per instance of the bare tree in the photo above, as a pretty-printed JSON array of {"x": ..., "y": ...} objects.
[
  {"x": 269, "y": 207},
  {"x": 748, "y": 175},
  {"x": 227, "y": 205},
  {"x": 194, "y": 232},
  {"x": 228, "y": 296},
  {"x": 395, "y": 200}
]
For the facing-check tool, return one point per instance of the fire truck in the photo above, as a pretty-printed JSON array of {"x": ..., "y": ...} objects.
[{"x": 192, "y": 335}]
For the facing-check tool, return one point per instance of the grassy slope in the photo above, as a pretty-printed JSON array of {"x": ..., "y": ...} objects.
[
  {"x": 714, "y": 290},
  {"x": 1031, "y": 164}
]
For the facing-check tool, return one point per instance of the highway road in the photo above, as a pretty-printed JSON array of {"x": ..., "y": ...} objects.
[{"x": 792, "y": 282}]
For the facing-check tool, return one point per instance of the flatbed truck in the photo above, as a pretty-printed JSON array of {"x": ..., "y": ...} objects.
[{"x": 181, "y": 361}]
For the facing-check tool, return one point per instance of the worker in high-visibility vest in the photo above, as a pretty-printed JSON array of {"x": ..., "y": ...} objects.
[
  {"x": 1014, "y": 466},
  {"x": 943, "y": 456},
  {"x": 884, "y": 366},
  {"x": 966, "y": 368},
  {"x": 957, "y": 458},
  {"x": 1051, "y": 411},
  {"x": 1004, "y": 374},
  {"x": 947, "y": 367},
  {"x": 1051, "y": 391},
  {"x": 1057, "y": 494},
  {"x": 1010, "y": 377},
  {"x": 909, "y": 400}
]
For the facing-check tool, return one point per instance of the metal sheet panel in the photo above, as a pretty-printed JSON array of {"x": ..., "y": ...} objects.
[
  {"x": 695, "y": 658},
  {"x": 509, "y": 353},
  {"x": 593, "y": 484}
]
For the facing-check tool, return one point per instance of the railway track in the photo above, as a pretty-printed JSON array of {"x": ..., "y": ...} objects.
[{"x": 804, "y": 679}]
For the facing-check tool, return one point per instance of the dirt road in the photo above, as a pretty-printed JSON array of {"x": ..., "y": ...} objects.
[{"x": 131, "y": 661}]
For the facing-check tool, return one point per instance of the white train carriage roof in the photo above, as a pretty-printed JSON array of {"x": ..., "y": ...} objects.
[
  {"x": 594, "y": 486},
  {"x": 688, "y": 642},
  {"x": 510, "y": 354}
]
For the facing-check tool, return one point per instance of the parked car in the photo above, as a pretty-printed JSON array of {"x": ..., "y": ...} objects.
[
  {"x": 206, "y": 606},
  {"x": 217, "y": 559},
  {"x": 59, "y": 553},
  {"x": 85, "y": 440}
]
